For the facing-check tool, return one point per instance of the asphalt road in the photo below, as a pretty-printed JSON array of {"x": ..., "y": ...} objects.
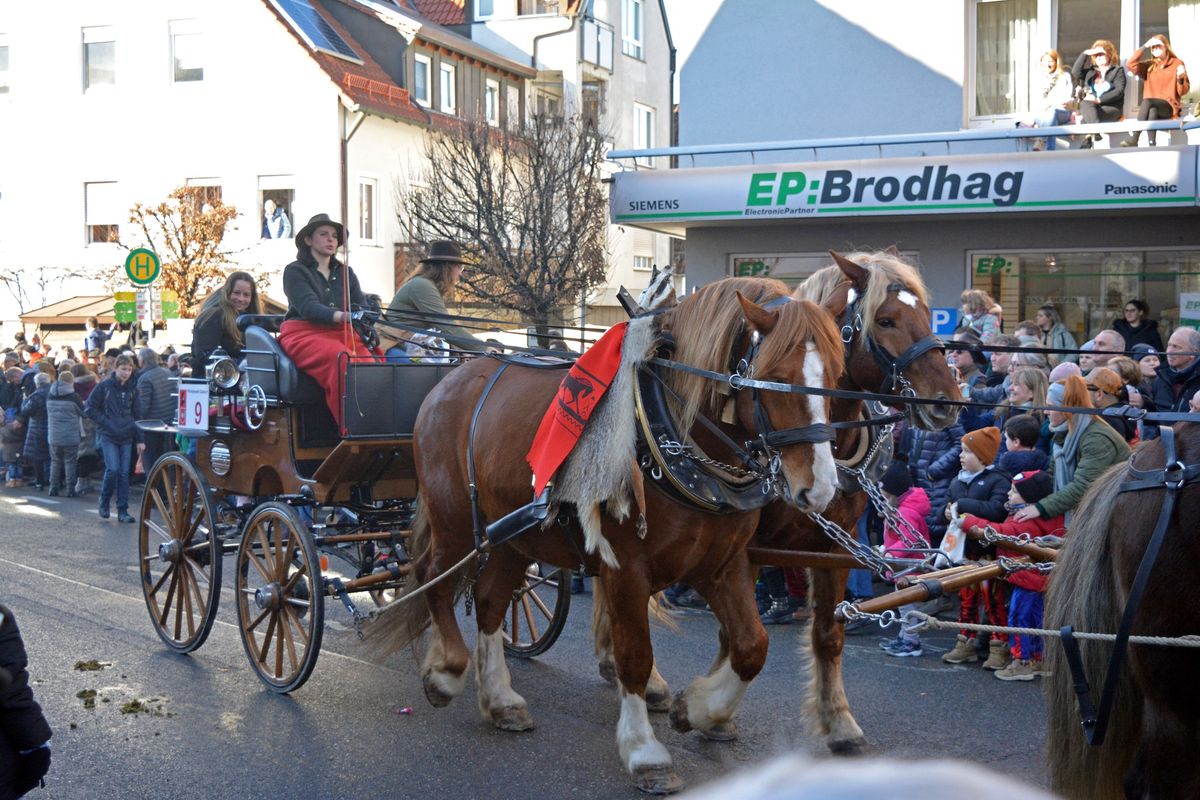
[{"x": 213, "y": 731}]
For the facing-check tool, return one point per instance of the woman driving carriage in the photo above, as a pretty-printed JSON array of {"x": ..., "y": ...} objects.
[{"x": 322, "y": 292}]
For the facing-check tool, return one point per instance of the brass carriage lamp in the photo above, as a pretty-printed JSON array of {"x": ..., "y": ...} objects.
[{"x": 222, "y": 372}]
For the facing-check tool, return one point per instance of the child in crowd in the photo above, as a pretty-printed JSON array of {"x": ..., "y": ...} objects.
[
  {"x": 1021, "y": 436},
  {"x": 912, "y": 505},
  {"x": 981, "y": 490},
  {"x": 64, "y": 413},
  {"x": 1028, "y": 586}
]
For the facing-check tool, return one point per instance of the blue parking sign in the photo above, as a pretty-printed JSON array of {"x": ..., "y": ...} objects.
[{"x": 944, "y": 321}]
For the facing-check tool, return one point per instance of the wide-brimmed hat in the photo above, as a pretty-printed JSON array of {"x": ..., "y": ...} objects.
[
  {"x": 316, "y": 222},
  {"x": 444, "y": 251}
]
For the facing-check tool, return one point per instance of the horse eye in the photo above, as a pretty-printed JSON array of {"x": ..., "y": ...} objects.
[{"x": 886, "y": 323}]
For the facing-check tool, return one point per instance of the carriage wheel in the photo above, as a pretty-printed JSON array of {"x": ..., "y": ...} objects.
[
  {"x": 179, "y": 553},
  {"x": 280, "y": 597},
  {"x": 538, "y": 611}
]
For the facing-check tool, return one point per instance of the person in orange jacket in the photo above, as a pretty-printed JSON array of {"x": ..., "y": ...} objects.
[{"x": 1166, "y": 82}]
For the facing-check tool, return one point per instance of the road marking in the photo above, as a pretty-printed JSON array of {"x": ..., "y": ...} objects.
[
  {"x": 43, "y": 500},
  {"x": 141, "y": 601}
]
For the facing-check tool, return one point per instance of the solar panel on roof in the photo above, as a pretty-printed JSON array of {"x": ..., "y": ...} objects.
[{"x": 315, "y": 29}]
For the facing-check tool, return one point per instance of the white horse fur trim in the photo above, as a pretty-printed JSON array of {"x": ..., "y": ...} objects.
[{"x": 600, "y": 468}]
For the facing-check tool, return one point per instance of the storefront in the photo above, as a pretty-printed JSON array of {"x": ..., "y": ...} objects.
[{"x": 1086, "y": 231}]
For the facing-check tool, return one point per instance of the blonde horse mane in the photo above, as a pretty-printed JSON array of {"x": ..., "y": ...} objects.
[
  {"x": 706, "y": 326},
  {"x": 891, "y": 268}
]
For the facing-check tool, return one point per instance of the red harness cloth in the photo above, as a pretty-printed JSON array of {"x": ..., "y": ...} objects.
[
  {"x": 577, "y": 397},
  {"x": 318, "y": 350}
]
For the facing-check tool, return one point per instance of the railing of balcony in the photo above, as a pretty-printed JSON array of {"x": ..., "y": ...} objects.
[{"x": 973, "y": 141}]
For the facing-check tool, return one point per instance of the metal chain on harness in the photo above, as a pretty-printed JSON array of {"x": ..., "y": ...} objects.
[
  {"x": 1011, "y": 565},
  {"x": 858, "y": 551},
  {"x": 907, "y": 533},
  {"x": 673, "y": 448},
  {"x": 991, "y": 536}
]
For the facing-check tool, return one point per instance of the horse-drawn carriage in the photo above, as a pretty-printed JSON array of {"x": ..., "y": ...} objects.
[{"x": 274, "y": 482}]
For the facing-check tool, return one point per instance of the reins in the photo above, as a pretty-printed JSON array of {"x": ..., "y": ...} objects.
[{"x": 1172, "y": 477}]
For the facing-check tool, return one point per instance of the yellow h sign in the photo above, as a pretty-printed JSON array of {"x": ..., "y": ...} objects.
[{"x": 142, "y": 266}]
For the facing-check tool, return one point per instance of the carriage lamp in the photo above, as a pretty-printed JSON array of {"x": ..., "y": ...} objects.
[{"x": 223, "y": 372}]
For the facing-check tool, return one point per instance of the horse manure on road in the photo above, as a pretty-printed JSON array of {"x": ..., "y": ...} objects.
[
  {"x": 90, "y": 666},
  {"x": 89, "y": 698}
]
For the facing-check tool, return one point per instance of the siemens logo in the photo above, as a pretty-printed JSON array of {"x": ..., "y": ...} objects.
[
  {"x": 843, "y": 186},
  {"x": 1161, "y": 188},
  {"x": 653, "y": 205}
]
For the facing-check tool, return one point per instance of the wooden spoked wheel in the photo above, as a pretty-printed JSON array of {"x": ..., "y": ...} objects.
[
  {"x": 280, "y": 598},
  {"x": 538, "y": 611},
  {"x": 179, "y": 553}
]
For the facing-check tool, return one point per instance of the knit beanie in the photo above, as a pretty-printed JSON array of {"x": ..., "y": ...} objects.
[
  {"x": 1033, "y": 486},
  {"x": 1143, "y": 350},
  {"x": 984, "y": 443},
  {"x": 896, "y": 479},
  {"x": 1056, "y": 394}
]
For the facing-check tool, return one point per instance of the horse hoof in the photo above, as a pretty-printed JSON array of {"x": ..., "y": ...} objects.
[
  {"x": 512, "y": 718},
  {"x": 657, "y": 780},
  {"x": 608, "y": 671},
  {"x": 721, "y": 732},
  {"x": 658, "y": 702},
  {"x": 434, "y": 694},
  {"x": 849, "y": 747},
  {"x": 679, "y": 714}
]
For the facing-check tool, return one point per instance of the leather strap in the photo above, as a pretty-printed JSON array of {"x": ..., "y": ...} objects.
[{"x": 476, "y": 518}]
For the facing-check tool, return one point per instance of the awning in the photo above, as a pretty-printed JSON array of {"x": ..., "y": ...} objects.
[{"x": 74, "y": 311}]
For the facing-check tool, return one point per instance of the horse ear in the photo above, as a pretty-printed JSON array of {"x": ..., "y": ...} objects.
[
  {"x": 838, "y": 299},
  {"x": 892, "y": 251},
  {"x": 759, "y": 318},
  {"x": 859, "y": 275}
]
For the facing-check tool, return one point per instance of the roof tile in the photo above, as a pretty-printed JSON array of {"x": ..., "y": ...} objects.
[{"x": 443, "y": 12}]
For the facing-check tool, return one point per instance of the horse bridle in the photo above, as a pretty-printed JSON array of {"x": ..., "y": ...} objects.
[
  {"x": 770, "y": 441},
  {"x": 892, "y": 367}
]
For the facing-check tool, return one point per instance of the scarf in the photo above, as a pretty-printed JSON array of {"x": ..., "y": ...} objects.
[{"x": 1066, "y": 455}]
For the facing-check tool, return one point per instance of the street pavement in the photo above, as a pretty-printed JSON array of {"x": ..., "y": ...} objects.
[{"x": 214, "y": 731}]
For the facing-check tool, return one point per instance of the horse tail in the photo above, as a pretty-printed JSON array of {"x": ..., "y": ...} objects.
[
  {"x": 1084, "y": 594},
  {"x": 401, "y": 622}
]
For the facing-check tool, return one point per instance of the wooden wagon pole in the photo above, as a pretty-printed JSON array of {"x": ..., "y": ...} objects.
[
  {"x": 940, "y": 575},
  {"x": 1034, "y": 551},
  {"x": 769, "y": 557},
  {"x": 926, "y": 588}
]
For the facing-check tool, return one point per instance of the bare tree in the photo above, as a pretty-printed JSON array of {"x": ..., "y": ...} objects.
[
  {"x": 187, "y": 230},
  {"x": 527, "y": 203},
  {"x": 31, "y": 287}
]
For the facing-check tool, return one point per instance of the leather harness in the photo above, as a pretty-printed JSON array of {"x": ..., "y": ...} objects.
[{"x": 1173, "y": 477}]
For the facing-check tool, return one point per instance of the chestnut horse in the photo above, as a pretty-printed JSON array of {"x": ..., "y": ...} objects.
[
  {"x": 1154, "y": 729},
  {"x": 711, "y": 328},
  {"x": 890, "y": 316}
]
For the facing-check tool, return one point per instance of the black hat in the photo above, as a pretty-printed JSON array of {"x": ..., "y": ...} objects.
[
  {"x": 896, "y": 479},
  {"x": 316, "y": 222},
  {"x": 1033, "y": 486},
  {"x": 1143, "y": 350},
  {"x": 444, "y": 251}
]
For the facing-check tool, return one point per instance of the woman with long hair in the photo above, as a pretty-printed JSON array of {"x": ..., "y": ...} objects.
[
  {"x": 1102, "y": 78},
  {"x": 1165, "y": 81},
  {"x": 216, "y": 324},
  {"x": 1055, "y": 96},
  {"x": 421, "y": 301},
  {"x": 1083, "y": 449},
  {"x": 1055, "y": 335}
]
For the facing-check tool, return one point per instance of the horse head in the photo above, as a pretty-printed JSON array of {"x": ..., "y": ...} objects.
[{"x": 882, "y": 308}]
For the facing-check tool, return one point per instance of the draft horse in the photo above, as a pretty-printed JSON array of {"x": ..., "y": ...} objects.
[
  {"x": 882, "y": 310},
  {"x": 711, "y": 329},
  {"x": 1153, "y": 732}
]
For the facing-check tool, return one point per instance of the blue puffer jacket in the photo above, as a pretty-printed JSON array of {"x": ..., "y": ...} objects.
[{"x": 933, "y": 460}]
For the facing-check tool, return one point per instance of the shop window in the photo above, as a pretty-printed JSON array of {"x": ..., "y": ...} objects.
[
  {"x": 791, "y": 268},
  {"x": 1089, "y": 289}
]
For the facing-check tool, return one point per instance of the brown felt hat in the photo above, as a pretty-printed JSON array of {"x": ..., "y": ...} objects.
[
  {"x": 1105, "y": 380},
  {"x": 984, "y": 443},
  {"x": 444, "y": 251}
]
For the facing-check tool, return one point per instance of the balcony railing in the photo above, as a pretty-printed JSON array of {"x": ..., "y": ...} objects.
[
  {"x": 393, "y": 94},
  {"x": 973, "y": 141}
]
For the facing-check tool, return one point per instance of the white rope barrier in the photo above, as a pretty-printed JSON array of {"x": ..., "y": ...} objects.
[{"x": 925, "y": 621}]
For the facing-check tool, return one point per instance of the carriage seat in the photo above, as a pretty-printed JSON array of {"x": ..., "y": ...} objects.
[{"x": 275, "y": 372}]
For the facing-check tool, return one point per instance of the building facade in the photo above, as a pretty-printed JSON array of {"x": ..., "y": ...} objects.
[
  {"x": 284, "y": 108},
  {"x": 900, "y": 122}
]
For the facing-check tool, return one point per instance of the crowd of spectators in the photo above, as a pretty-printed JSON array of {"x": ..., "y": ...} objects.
[{"x": 69, "y": 415}]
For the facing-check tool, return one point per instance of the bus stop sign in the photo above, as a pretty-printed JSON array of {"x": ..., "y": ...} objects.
[{"x": 142, "y": 266}]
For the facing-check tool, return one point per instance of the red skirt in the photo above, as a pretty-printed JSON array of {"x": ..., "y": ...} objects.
[{"x": 323, "y": 352}]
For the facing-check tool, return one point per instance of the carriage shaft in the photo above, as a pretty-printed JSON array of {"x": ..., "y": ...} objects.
[
  {"x": 769, "y": 557},
  {"x": 926, "y": 588}
]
